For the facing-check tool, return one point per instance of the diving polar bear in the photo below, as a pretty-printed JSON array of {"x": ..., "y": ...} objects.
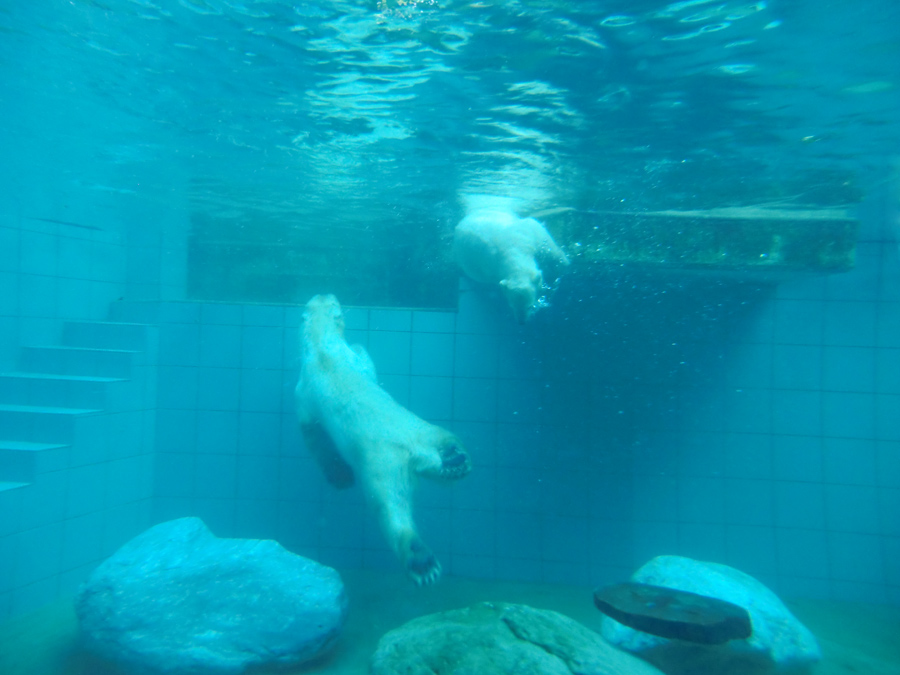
[
  {"x": 354, "y": 428},
  {"x": 495, "y": 246}
]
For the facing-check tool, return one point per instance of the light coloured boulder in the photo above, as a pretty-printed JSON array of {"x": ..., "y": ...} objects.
[
  {"x": 498, "y": 638},
  {"x": 779, "y": 644},
  {"x": 180, "y": 601}
]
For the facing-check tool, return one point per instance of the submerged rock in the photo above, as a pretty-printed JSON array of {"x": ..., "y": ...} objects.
[
  {"x": 178, "y": 600},
  {"x": 779, "y": 643},
  {"x": 493, "y": 638}
]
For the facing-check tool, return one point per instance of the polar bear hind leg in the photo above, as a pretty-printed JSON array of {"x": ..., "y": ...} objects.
[
  {"x": 391, "y": 497},
  {"x": 421, "y": 564}
]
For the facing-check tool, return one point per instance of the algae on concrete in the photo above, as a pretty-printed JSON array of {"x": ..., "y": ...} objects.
[{"x": 758, "y": 243}]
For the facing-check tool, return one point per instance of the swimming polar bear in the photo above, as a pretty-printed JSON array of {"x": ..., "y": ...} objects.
[
  {"x": 495, "y": 246},
  {"x": 355, "y": 429}
]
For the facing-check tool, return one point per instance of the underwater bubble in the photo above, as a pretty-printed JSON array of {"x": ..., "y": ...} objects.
[{"x": 618, "y": 21}]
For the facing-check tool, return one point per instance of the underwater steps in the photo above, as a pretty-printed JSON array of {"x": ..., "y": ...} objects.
[{"x": 55, "y": 409}]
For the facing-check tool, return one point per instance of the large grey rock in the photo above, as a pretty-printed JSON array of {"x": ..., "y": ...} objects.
[
  {"x": 493, "y": 638},
  {"x": 180, "y": 601},
  {"x": 779, "y": 645}
]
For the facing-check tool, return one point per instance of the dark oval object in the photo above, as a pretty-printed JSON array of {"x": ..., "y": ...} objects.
[{"x": 671, "y": 613}]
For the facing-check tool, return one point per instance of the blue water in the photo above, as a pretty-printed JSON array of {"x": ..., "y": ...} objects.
[
  {"x": 280, "y": 108},
  {"x": 752, "y": 425}
]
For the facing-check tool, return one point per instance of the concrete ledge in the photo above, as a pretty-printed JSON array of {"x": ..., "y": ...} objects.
[{"x": 751, "y": 243}]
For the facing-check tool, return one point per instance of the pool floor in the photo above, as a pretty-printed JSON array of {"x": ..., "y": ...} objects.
[{"x": 855, "y": 638}]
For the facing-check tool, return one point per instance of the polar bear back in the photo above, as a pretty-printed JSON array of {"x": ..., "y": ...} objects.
[
  {"x": 493, "y": 245},
  {"x": 338, "y": 389}
]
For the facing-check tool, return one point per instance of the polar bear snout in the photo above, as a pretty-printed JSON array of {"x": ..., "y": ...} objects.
[
  {"x": 323, "y": 304},
  {"x": 324, "y": 308}
]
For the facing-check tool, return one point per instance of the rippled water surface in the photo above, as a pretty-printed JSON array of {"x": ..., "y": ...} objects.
[{"x": 390, "y": 110}]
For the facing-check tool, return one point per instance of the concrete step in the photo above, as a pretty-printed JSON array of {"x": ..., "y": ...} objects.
[
  {"x": 42, "y": 424},
  {"x": 22, "y": 461},
  {"x": 105, "y": 334},
  {"x": 84, "y": 361},
  {"x": 62, "y": 391},
  {"x": 137, "y": 312}
]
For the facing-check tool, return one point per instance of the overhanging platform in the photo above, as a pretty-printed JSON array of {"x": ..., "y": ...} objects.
[{"x": 759, "y": 244}]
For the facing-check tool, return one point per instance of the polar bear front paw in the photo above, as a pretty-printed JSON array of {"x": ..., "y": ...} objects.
[
  {"x": 421, "y": 564},
  {"x": 455, "y": 462}
]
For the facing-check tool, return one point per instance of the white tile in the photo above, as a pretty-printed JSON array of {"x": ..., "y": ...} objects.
[
  {"x": 390, "y": 320},
  {"x": 850, "y": 324},
  {"x": 796, "y": 412},
  {"x": 751, "y": 549},
  {"x": 855, "y": 557},
  {"x": 702, "y": 541},
  {"x": 799, "y": 505},
  {"x": 431, "y": 397},
  {"x": 849, "y": 461},
  {"x": 802, "y": 553},
  {"x": 852, "y": 508},
  {"x": 432, "y": 354},
  {"x": 797, "y": 367},
  {"x": 475, "y": 399},
  {"x": 82, "y": 540},
  {"x": 475, "y": 355},
  {"x": 390, "y": 351},
  {"x": 848, "y": 415},
  {"x": 39, "y": 554},
  {"x": 848, "y": 369}
]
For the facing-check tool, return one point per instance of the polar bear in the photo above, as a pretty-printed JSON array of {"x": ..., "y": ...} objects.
[
  {"x": 495, "y": 246},
  {"x": 354, "y": 429}
]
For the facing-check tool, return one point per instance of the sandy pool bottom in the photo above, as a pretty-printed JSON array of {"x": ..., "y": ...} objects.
[{"x": 855, "y": 638}]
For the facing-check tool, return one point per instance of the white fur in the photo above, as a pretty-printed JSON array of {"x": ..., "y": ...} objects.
[
  {"x": 383, "y": 443},
  {"x": 495, "y": 246}
]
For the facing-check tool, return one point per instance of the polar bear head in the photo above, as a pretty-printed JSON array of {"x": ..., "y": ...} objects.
[
  {"x": 322, "y": 316},
  {"x": 521, "y": 291}
]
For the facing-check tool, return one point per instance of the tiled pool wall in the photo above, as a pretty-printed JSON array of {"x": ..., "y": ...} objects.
[
  {"x": 768, "y": 440},
  {"x": 77, "y": 403},
  {"x": 788, "y": 467}
]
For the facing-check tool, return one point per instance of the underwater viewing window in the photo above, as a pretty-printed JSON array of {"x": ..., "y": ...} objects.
[{"x": 268, "y": 260}]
